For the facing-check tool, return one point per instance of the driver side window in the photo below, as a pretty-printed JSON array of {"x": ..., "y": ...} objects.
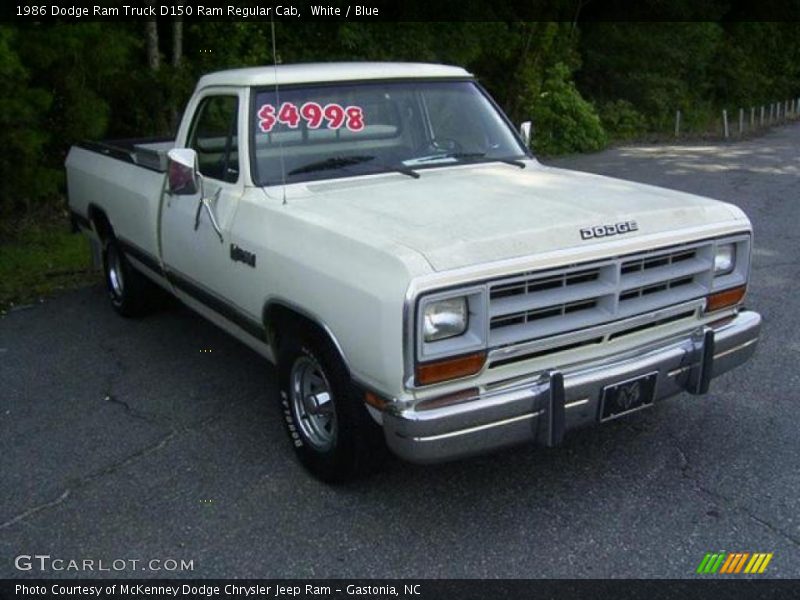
[{"x": 214, "y": 138}]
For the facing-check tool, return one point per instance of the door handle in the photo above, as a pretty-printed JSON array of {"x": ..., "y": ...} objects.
[{"x": 205, "y": 202}]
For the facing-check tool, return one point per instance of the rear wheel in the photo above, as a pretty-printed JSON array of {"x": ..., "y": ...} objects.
[
  {"x": 128, "y": 290},
  {"x": 333, "y": 435}
]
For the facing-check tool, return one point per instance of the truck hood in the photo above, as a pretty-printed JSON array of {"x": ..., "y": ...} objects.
[{"x": 473, "y": 214}]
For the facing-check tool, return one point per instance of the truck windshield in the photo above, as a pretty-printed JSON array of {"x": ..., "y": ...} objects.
[{"x": 329, "y": 131}]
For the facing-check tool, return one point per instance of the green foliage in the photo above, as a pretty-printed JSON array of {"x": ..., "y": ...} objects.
[
  {"x": 516, "y": 58},
  {"x": 66, "y": 59},
  {"x": 621, "y": 120},
  {"x": 60, "y": 92},
  {"x": 41, "y": 260},
  {"x": 69, "y": 81},
  {"x": 564, "y": 121},
  {"x": 23, "y": 133},
  {"x": 657, "y": 67},
  {"x": 757, "y": 63}
]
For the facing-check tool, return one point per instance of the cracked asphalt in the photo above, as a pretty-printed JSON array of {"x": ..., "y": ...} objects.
[{"x": 158, "y": 439}]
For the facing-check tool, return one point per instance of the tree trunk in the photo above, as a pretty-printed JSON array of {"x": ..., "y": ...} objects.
[
  {"x": 177, "y": 42},
  {"x": 177, "y": 57},
  {"x": 153, "y": 57}
]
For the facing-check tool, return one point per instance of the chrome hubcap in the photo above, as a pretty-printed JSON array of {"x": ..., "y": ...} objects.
[
  {"x": 312, "y": 403},
  {"x": 115, "y": 273}
]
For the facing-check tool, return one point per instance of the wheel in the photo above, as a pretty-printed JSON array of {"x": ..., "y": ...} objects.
[
  {"x": 128, "y": 290},
  {"x": 333, "y": 435}
]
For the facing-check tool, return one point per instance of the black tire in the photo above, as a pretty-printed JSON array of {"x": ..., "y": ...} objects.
[
  {"x": 130, "y": 292},
  {"x": 357, "y": 447}
]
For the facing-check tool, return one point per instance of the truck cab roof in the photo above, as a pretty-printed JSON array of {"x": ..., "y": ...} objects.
[{"x": 329, "y": 72}]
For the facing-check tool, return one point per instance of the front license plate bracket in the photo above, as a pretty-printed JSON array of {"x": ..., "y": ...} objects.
[{"x": 628, "y": 396}]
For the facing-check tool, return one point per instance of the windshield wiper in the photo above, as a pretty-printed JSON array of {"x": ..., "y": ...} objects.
[
  {"x": 466, "y": 155},
  {"x": 399, "y": 169},
  {"x": 509, "y": 161},
  {"x": 334, "y": 162}
]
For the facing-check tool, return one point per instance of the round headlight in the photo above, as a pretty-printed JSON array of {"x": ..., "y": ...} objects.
[
  {"x": 445, "y": 319},
  {"x": 724, "y": 259}
]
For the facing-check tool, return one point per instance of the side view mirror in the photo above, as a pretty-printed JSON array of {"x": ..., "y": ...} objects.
[
  {"x": 183, "y": 177},
  {"x": 525, "y": 130}
]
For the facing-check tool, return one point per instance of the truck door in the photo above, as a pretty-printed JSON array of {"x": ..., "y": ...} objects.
[{"x": 196, "y": 238}]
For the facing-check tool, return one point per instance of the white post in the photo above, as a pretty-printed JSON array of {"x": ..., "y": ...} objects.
[
  {"x": 786, "y": 110},
  {"x": 761, "y": 118},
  {"x": 771, "y": 112},
  {"x": 725, "y": 122},
  {"x": 677, "y": 123},
  {"x": 752, "y": 117},
  {"x": 741, "y": 121}
]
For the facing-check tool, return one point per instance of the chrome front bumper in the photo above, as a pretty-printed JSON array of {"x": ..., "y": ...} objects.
[{"x": 540, "y": 408}]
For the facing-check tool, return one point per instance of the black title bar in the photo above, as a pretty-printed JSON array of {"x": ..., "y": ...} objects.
[
  {"x": 407, "y": 10},
  {"x": 409, "y": 589}
]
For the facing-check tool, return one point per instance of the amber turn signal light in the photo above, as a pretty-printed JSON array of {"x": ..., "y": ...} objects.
[
  {"x": 375, "y": 401},
  {"x": 451, "y": 368},
  {"x": 725, "y": 299}
]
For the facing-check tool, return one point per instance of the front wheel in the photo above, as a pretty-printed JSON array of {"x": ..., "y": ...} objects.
[{"x": 329, "y": 426}]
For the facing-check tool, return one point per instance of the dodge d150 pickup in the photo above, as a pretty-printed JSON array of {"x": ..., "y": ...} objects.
[{"x": 382, "y": 233}]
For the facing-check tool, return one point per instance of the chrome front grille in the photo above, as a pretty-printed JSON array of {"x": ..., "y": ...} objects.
[{"x": 531, "y": 306}]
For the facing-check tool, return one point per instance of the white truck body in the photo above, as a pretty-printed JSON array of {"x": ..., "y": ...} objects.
[{"x": 361, "y": 255}]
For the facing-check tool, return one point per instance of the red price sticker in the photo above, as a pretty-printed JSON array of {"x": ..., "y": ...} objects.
[{"x": 314, "y": 114}]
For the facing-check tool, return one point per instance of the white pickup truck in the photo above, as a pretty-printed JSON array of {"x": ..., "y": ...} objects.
[{"x": 382, "y": 233}]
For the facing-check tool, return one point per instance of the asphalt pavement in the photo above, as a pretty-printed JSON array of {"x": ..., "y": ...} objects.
[{"x": 157, "y": 440}]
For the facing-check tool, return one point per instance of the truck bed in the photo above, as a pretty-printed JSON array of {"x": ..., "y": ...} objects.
[
  {"x": 150, "y": 153},
  {"x": 124, "y": 179}
]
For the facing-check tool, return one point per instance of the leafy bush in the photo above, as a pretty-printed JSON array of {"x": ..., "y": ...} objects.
[
  {"x": 657, "y": 67},
  {"x": 68, "y": 81},
  {"x": 563, "y": 120},
  {"x": 621, "y": 120},
  {"x": 23, "y": 134},
  {"x": 58, "y": 80}
]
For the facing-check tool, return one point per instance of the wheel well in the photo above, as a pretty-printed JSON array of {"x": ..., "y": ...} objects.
[
  {"x": 280, "y": 320},
  {"x": 100, "y": 223}
]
